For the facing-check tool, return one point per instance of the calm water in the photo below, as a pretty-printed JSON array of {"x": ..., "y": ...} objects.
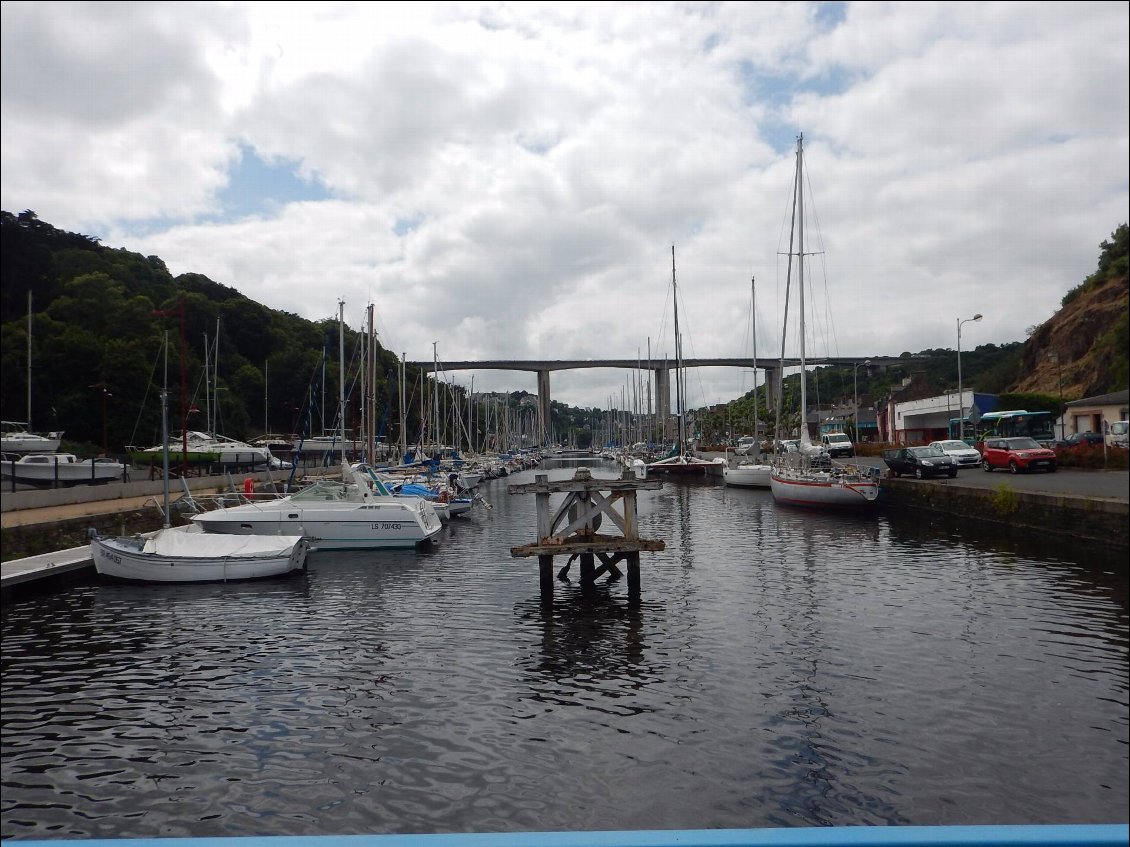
[{"x": 781, "y": 668}]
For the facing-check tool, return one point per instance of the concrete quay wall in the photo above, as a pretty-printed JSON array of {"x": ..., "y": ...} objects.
[
  {"x": 42, "y": 498},
  {"x": 1094, "y": 520}
]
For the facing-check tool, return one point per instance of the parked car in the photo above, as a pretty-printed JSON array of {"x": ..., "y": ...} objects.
[
  {"x": 1017, "y": 454},
  {"x": 966, "y": 456},
  {"x": 921, "y": 462},
  {"x": 1078, "y": 438},
  {"x": 1117, "y": 433}
]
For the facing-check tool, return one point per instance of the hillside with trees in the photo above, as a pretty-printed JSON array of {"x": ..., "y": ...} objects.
[{"x": 97, "y": 318}]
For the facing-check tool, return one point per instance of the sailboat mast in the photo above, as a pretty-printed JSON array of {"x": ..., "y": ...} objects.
[
  {"x": 165, "y": 433},
  {"x": 435, "y": 393},
  {"x": 800, "y": 286},
  {"x": 753, "y": 322},
  {"x": 371, "y": 391},
  {"x": 29, "y": 360},
  {"x": 678, "y": 356},
  {"x": 341, "y": 380},
  {"x": 403, "y": 410}
]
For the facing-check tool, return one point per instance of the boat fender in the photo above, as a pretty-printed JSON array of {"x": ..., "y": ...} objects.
[{"x": 248, "y": 486}]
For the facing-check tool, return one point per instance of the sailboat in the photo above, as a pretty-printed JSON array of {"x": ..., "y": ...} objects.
[
  {"x": 185, "y": 554},
  {"x": 17, "y": 436},
  {"x": 681, "y": 460},
  {"x": 751, "y": 472},
  {"x": 810, "y": 477},
  {"x": 347, "y": 514}
]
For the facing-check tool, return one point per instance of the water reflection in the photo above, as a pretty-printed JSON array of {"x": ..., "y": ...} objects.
[{"x": 780, "y": 668}]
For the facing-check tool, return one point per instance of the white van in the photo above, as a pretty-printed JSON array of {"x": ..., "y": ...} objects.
[
  {"x": 837, "y": 444},
  {"x": 1116, "y": 435}
]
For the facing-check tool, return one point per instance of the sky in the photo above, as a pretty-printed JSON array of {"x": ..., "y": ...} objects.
[{"x": 511, "y": 180}]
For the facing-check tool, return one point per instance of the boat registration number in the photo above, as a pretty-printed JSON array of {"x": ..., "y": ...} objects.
[{"x": 385, "y": 525}]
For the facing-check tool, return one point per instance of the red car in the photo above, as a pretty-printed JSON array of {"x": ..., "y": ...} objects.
[{"x": 1016, "y": 454}]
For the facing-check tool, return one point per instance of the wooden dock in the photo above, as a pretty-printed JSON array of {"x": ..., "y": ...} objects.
[
  {"x": 45, "y": 566},
  {"x": 571, "y": 529}
]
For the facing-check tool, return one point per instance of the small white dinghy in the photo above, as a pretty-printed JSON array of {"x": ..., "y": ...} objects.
[{"x": 186, "y": 554}]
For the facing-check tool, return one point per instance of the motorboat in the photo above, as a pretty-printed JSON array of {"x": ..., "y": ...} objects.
[
  {"x": 187, "y": 554},
  {"x": 332, "y": 514},
  {"x": 48, "y": 469}
]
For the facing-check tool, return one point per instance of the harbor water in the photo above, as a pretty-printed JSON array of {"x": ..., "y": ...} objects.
[{"x": 781, "y": 668}]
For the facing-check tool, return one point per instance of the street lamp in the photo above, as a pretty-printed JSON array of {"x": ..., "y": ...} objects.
[
  {"x": 960, "y": 395},
  {"x": 855, "y": 388}
]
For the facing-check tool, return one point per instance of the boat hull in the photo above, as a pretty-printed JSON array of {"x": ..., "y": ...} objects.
[
  {"x": 349, "y": 526},
  {"x": 686, "y": 465},
  {"x": 832, "y": 492},
  {"x": 748, "y": 476},
  {"x": 29, "y": 442},
  {"x": 48, "y": 470},
  {"x": 173, "y": 555}
]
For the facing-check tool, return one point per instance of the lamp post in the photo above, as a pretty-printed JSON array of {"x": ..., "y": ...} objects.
[
  {"x": 855, "y": 389},
  {"x": 105, "y": 390},
  {"x": 960, "y": 394}
]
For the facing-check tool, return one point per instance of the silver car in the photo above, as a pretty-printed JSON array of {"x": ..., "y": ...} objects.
[{"x": 965, "y": 455}]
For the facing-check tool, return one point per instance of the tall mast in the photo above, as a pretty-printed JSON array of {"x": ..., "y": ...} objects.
[
  {"x": 29, "y": 360},
  {"x": 753, "y": 322},
  {"x": 403, "y": 411},
  {"x": 435, "y": 393},
  {"x": 165, "y": 433},
  {"x": 804, "y": 439},
  {"x": 341, "y": 380},
  {"x": 678, "y": 357}
]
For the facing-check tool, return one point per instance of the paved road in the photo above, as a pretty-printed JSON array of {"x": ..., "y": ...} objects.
[{"x": 1083, "y": 483}]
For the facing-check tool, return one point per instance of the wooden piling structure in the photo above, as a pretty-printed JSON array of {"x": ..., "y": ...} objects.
[{"x": 571, "y": 529}]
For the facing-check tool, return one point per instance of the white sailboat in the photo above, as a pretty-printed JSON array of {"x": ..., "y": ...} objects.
[
  {"x": 681, "y": 459},
  {"x": 185, "y": 554},
  {"x": 751, "y": 472},
  {"x": 17, "y": 436},
  {"x": 810, "y": 477},
  {"x": 346, "y": 514}
]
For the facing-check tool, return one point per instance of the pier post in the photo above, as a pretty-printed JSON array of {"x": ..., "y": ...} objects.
[{"x": 570, "y": 529}]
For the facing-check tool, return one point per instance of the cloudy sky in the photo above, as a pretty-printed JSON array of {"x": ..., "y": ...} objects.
[{"x": 507, "y": 180}]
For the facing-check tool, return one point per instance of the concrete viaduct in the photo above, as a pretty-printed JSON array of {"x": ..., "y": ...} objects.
[{"x": 661, "y": 370}]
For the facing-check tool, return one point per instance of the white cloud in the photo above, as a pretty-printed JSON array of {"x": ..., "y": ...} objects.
[{"x": 507, "y": 180}]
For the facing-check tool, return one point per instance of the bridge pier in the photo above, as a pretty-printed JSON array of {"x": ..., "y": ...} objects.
[{"x": 543, "y": 406}]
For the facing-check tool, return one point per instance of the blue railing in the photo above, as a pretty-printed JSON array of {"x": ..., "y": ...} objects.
[{"x": 1066, "y": 835}]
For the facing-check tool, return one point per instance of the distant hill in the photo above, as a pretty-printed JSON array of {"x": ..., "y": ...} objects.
[
  {"x": 97, "y": 329},
  {"x": 1084, "y": 347}
]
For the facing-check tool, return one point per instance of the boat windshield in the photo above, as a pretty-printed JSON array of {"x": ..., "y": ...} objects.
[{"x": 324, "y": 489}]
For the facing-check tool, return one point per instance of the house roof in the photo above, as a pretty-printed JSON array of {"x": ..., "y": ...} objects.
[{"x": 1115, "y": 399}]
